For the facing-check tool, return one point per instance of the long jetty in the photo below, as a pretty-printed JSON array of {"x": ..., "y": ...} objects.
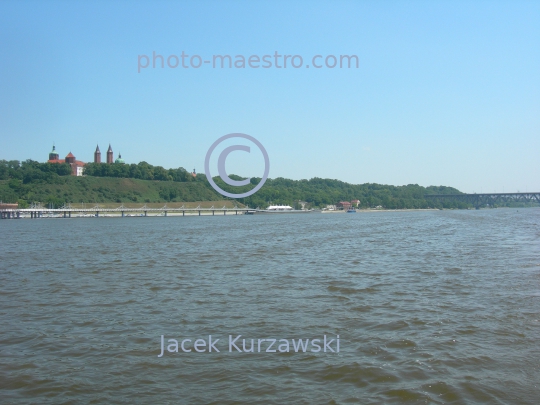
[{"x": 38, "y": 211}]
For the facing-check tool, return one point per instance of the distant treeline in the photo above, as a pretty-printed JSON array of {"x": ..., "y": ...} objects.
[
  {"x": 319, "y": 192},
  {"x": 30, "y": 170},
  {"x": 142, "y": 171},
  {"x": 30, "y": 181}
]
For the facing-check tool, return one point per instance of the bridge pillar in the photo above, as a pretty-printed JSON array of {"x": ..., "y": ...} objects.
[
  {"x": 236, "y": 212},
  {"x": 145, "y": 213},
  {"x": 122, "y": 214},
  {"x": 224, "y": 212},
  {"x": 65, "y": 214},
  {"x": 18, "y": 214},
  {"x": 97, "y": 213},
  {"x": 199, "y": 213},
  {"x": 212, "y": 212},
  {"x": 183, "y": 213},
  {"x": 165, "y": 213},
  {"x": 69, "y": 214}
]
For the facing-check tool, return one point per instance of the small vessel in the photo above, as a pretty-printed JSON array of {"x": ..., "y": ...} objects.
[
  {"x": 282, "y": 209},
  {"x": 279, "y": 208},
  {"x": 351, "y": 210}
]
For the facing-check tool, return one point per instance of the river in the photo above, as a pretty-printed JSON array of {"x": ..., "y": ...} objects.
[{"x": 431, "y": 307}]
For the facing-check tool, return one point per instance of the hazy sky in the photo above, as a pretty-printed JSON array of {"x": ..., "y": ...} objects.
[{"x": 446, "y": 93}]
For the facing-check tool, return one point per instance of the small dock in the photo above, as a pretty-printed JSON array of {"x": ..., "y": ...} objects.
[{"x": 38, "y": 211}]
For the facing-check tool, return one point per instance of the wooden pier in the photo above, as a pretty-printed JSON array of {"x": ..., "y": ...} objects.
[{"x": 38, "y": 211}]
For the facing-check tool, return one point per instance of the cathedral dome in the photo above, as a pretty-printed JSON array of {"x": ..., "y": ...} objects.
[{"x": 119, "y": 159}]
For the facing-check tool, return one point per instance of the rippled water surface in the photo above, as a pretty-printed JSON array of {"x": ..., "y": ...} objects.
[{"x": 431, "y": 307}]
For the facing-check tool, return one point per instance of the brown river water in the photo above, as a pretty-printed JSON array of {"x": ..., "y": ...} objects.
[{"x": 431, "y": 307}]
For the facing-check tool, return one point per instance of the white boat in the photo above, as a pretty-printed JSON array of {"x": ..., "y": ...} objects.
[
  {"x": 279, "y": 208},
  {"x": 282, "y": 209}
]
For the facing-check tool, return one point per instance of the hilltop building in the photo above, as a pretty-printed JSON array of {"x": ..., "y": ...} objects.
[
  {"x": 119, "y": 160},
  {"x": 97, "y": 155},
  {"x": 110, "y": 157},
  {"x": 77, "y": 167}
]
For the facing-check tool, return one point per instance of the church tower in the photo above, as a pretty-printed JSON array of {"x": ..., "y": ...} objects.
[
  {"x": 97, "y": 155},
  {"x": 54, "y": 154},
  {"x": 110, "y": 158}
]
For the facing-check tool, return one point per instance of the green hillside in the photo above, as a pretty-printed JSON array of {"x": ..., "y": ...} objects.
[
  {"x": 95, "y": 189},
  {"x": 29, "y": 181}
]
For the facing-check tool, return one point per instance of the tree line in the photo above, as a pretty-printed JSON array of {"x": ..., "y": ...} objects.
[{"x": 142, "y": 171}]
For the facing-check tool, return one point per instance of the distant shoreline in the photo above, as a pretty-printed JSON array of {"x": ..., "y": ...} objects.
[{"x": 380, "y": 210}]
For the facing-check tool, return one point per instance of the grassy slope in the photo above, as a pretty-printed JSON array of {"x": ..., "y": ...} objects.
[{"x": 107, "y": 189}]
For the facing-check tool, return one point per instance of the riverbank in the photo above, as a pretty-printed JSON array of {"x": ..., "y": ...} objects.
[{"x": 380, "y": 210}]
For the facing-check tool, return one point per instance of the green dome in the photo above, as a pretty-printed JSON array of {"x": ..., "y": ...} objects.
[{"x": 119, "y": 159}]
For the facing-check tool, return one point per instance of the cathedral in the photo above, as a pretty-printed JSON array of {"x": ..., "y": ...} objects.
[{"x": 77, "y": 167}]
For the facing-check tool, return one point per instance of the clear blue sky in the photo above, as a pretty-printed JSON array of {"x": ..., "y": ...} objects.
[{"x": 446, "y": 93}]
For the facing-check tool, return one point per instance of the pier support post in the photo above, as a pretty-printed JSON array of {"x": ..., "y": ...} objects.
[
  {"x": 199, "y": 213},
  {"x": 69, "y": 214},
  {"x": 18, "y": 214},
  {"x": 145, "y": 213},
  {"x": 224, "y": 212},
  {"x": 212, "y": 212},
  {"x": 183, "y": 213},
  {"x": 122, "y": 214},
  {"x": 97, "y": 214},
  {"x": 65, "y": 214},
  {"x": 165, "y": 213}
]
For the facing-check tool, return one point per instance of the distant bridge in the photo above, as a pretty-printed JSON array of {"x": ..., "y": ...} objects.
[
  {"x": 481, "y": 200},
  {"x": 38, "y": 211}
]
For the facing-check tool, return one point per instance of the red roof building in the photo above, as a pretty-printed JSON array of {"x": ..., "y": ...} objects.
[
  {"x": 343, "y": 205},
  {"x": 76, "y": 165}
]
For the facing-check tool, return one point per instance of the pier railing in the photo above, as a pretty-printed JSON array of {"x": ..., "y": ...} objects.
[
  {"x": 483, "y": 199},
  {"x": 39, "y": 211}
]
